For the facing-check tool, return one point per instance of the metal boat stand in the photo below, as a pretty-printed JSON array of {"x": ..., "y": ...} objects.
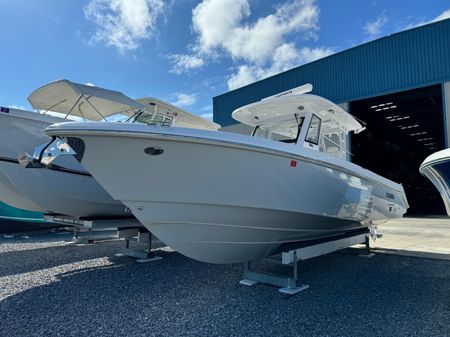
[
  {"x": 138, "y": 235},
  {"x": 91, "y": 225},
  {"x": 307, "y": 250},
  {"x": 288, "y": 285},
  {"x": 127, "y": 229}
]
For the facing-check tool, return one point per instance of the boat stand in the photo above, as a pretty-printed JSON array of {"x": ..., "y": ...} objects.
[
  {"x": 291, "y": 285},
  {"x": 127, "y": 229},
  {"x": 137, "y": 235},
  {"x": 287, "y": 285}
]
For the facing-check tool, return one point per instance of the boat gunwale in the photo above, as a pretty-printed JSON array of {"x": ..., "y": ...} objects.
[{"x": 59, "y": 131}]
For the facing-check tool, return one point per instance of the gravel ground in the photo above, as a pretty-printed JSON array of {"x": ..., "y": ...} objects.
[{"x": 48, "y": 288}]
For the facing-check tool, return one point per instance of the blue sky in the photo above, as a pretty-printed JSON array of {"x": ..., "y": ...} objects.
[{"x": 184, "y": 51}]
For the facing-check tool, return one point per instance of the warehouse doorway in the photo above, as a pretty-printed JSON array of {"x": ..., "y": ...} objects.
[{"x": 402, "y": 130}]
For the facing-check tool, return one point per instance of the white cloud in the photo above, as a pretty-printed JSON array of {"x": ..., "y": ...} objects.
[
  {"x": 259, "y": 48},
  {"x": 245, "y": 75},
  {"x": 184, "y": 63},
  {"x": 285, "y": 57},
  {"x": 212, "y": 25},
  {"x": 444, "y": 15},
  {"x": 124, "y": 23},
  {"x": 249, "y": 42},
  {"x": 17, "y": 106},
  {"x": 184, "y": 99},
  {"x": 208, "y": 116},
  {"x": 421, "y": 21},
  {"x": 374, "y": 28}
]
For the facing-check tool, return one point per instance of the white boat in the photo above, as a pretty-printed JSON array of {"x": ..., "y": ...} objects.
[
  {"x": 20, "y": 131},
  {"x": 66, "y": 187},
  {"x": 436, "y": 168},
  {"x": 223, "y": 198}
]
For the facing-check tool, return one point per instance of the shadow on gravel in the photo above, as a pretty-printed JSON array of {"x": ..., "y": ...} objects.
[
  {"x": 14, "y": 226},
  {"x": 25, "y": 261},
  {"x": 348, "y": 296}
]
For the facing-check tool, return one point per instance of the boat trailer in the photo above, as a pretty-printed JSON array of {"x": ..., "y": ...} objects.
[{"x": 304, "y": 251}]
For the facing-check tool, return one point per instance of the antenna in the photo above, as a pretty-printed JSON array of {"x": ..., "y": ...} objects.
[{"x": 303, "y": 89}]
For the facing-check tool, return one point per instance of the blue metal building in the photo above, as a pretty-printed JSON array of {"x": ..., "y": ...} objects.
[{"x": 409, "y": 70}]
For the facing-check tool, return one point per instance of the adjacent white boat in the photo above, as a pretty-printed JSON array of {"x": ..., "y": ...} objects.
[
  {"x": 436, "y": 168},
  {"x": 20, "y": 131},
  {"x": 222, "y": 198},
  {"x": 66, "y": 187}
]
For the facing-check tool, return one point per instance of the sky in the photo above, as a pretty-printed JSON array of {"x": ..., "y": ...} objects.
[{"x": 184, "y": 51}]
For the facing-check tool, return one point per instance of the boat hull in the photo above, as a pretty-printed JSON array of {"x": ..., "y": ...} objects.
[
  {"x": 12, "y": 196},
  {"x": 188, "y": 196},
  {"x": 74, "y": 194},
  {"x": 228, "y": 234},
  {"x": 69, "y": 190}
]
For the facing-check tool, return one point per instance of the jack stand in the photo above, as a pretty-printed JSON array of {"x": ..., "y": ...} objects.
[
  {"x": 90, "y": 239},
  {"x": 76, "y": 238},
  {"x": 288, "y": 285},
  {"x": 80, "y": 241},
  {"x": 374, "y": 235},
  {"x": 91, "y": 224},
  {"x": 367, "y": 252},
  {"x": 138, "y": 235}
]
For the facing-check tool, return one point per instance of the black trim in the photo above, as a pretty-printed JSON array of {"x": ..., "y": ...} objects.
[
  {"x": 318, "y": 134},
  {"x": 95, "y": 218},
  {"x": 9, "y": 160},
  {"x": 51, "y": 167}
]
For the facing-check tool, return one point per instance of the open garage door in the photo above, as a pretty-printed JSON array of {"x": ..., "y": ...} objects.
[{"x": 402, "y": 130}]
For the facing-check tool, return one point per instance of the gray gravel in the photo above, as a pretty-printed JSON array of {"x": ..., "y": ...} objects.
[{"x": 48, "y": 288}]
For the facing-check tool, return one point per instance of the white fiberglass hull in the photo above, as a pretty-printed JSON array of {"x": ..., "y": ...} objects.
[
  {"x": 68, "y": 189},
  {"x": 12, "y": 196},
  {"x": 224, "y": 198},
  {"x": 436, "y": 168},
  {"x": 74, "y": 194}
]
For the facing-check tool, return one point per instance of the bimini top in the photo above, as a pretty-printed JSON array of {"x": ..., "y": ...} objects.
[
  {"x": 279, "y": 113},
  {"x": 85, "y": 101},
  {"x": 180, "y": 117}
]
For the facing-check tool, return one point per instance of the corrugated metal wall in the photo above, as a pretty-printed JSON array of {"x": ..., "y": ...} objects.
[{"x": 406, "y": 60}]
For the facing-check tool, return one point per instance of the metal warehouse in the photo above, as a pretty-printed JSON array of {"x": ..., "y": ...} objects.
[{"x": 399, "y": 85}]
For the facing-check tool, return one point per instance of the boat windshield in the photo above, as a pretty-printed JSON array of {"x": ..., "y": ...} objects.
[
  {"x": 321, "y": 135},
  {"x": 286, "y": 132},
  {"x": 152, "y": 119},
  {"x": 142, "y": 118}
]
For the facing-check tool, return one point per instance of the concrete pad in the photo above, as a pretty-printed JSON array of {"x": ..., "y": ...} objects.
[{"x": 419, "y": 237}]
